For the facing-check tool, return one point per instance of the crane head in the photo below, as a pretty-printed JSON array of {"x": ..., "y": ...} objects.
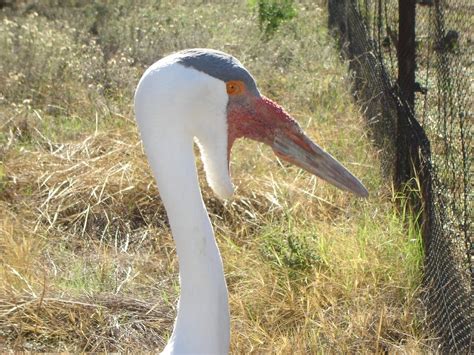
[{"x": 221, "y": 102}]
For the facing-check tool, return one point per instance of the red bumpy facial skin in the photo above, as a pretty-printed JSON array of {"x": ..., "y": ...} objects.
[
  {"x": 257, "y": 118},
  {"x": 262, "y": 120}
]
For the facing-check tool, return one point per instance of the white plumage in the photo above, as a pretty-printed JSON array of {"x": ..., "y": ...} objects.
[
  {"x": 170, "y": 115},
  {"x": 176, "y": 102}
]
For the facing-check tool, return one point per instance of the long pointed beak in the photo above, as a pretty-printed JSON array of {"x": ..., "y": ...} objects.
[
  {"x": 270, "y": 124},
  {"x": 298, "y": 149}
]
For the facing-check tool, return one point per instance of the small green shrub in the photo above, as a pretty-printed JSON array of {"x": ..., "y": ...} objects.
[{"x": 272, "y": 13}]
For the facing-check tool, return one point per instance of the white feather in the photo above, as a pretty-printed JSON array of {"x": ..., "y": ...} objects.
[{"x": 174, "y": 105}]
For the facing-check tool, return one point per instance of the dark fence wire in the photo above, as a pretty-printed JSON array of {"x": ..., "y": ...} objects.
[{"x": 411, "y": 63}]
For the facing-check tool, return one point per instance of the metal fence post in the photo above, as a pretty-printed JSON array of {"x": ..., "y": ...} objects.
[
  {"x": 406, "y": 84},
  {"x": 406, "y": 50}
]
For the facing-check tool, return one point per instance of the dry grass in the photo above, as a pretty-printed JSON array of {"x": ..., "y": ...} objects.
[{"x": 87, "y": 262}]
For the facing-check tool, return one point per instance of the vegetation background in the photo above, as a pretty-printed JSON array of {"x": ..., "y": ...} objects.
[{"x": 87, "y": 261}]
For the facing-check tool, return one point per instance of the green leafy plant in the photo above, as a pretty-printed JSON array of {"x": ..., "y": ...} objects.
[
  {"x": 272, "y": 13},
  {"x": 290, "y": 251}
]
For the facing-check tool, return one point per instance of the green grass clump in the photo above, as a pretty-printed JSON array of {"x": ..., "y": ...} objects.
[
  {"x": 87, "y": 262},
  {"x": 288, "y": 249}
]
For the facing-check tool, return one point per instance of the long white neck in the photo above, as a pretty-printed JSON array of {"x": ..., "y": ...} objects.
[
  {"x": 202, "y": 325},
  {"x": 173, "y": 104}
]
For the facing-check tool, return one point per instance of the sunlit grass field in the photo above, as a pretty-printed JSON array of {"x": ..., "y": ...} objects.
[{"x": 87, "y": 261}]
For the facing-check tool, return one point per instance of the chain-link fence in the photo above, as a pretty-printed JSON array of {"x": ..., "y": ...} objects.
[{"x": 412, "y": 68}]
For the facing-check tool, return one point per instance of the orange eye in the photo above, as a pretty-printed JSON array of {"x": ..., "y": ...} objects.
[{"x": 235, "y": 87}]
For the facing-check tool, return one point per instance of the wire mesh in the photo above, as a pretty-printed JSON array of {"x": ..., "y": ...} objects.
[{"x": 412, "y": 69}]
